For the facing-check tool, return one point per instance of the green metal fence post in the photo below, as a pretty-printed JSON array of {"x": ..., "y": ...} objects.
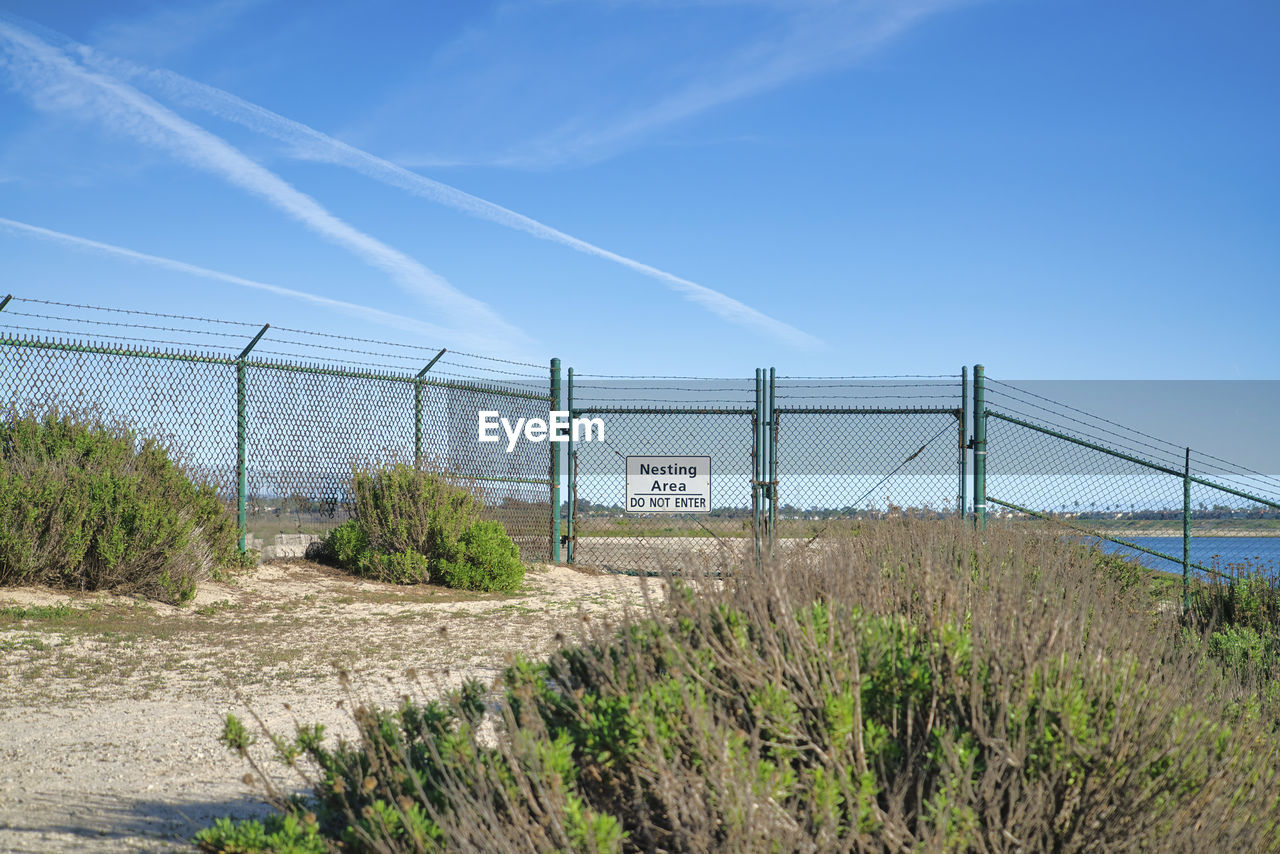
[
  {"x": 242, "y": 474},
  {"x": 773, "y": 462},
  {"x": 1186, "y": 534},
  {"x": 757, "y": 464},
  {"x": 964, "y": 444},
  {"x": 571, "y": 479},
  {"x": 242, "y": 431},
  {"x": 979, "y": 447},
  {"x": 555, "y": 467},
  {"x": 417, "y": 410}
]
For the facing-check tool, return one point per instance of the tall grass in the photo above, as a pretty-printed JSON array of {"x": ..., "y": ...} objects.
[{"x": 916, "y": 688}]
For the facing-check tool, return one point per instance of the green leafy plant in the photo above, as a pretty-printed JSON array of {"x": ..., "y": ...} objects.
[
  {"x": 92, "y": 506},
  {"x": 486, "y": 559},
  {"x": 924, "y": 689},
  {"x": 413, "y": 526},
  {"x": 346, "y": 544},
  {"x": 406, "y": 567},
  {"x": 1240, "y": 624},
  {"x": 405, "y": 509},
  {"x": 284, "y": 833}
]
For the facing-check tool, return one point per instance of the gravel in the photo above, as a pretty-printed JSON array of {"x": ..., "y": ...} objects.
[{"x": 109, "y": 717}]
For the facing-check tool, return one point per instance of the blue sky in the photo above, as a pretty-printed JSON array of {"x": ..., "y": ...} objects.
[{"x": 1054, "y": 188}]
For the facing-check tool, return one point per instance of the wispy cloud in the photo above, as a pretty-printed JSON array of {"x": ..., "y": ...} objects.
[
  {"x": 57, "y": 83},
  {"x": 313, "y": 144},
  {"x": 806, "y": 38},
  {"x": 428, "y": 331},
  {"x": 821, "y": 38},
  {"x": 170, "y": 28}
]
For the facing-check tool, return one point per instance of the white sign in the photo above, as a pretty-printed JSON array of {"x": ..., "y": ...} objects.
[{"x": 668, "y": 484}]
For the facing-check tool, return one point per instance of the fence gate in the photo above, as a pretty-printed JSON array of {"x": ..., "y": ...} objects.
[
  {"x": 794, "y": 461},
  {"x": 840, "y": 456},
  {"x": 601, "y": 534}
]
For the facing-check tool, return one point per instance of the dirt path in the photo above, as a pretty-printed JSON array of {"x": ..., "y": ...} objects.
[{"x": 110, "y": 707}]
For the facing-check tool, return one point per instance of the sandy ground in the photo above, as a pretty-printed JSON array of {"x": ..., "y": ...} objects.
[{"x": 110, "y": 708}]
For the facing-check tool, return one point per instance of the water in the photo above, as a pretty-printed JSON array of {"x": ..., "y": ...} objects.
[{"x": 1230, "y": 555}]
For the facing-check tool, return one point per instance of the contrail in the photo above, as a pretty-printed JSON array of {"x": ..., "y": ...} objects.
[
  {"x": 406, "y": 324},
  {"x": 320, "y": 146},
  {"x": 56, "y": 82}
]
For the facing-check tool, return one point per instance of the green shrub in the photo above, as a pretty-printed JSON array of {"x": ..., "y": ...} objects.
[
  {"x": 1239, "y": 624},
  {"x": 1251, "y": 601},
  {"x": 404, "y": 509},
  {"x": 1243, "y": 649},
  {"x": 93, "y": 507},
  {"x": 414, "y": 526},
  {"x": 346, "y": 544},
  {"x": 279, "y": 834},
  {"x": 392, "y": 789},
  {"x": 487, "y": 559},
  {"x": 927, "y": 690},
  {"x": 407, "y": 567}
]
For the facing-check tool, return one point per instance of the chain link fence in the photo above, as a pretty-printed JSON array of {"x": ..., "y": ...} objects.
[
  {"x": 660, "y": 416},
  {"x": 299, "y": 426},
  {"x": 276, "y": 418},
  {"x": 1133, "y": 493},
  {"x": 865, "y": 447},
  {"x": 840, "y": 450}
]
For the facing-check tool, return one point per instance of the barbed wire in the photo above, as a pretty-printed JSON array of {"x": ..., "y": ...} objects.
[
  {"x": 471, "y": 378},
  {"x": 868, "y": 397},
  {"x": 1260, "y": 482},
  {"x": 749, "y": 379},
  {"x": 251, "y": 325},
  {"x": 541, "y": 377},
  {"x": 1171, "y": 455},
  {"x": 1236, "y": 468},
  {"x": 837, "y": 382},
  {"x": 1127, "y": 445},
  {"x": 79, "y": 335},
  {"x": 496, "y": 359},
  {"x": 127, "y": 325},
  {"x": 136, "y": 311},
  {"x": 1070, "y": 408},
  {"x": 691, "y": 403},
  {"x": 576, "y": 386},
  {"x": 328, "y": 360}
]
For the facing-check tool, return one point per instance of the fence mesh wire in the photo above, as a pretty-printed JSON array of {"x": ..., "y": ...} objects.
[
  {"x": 306, "y": 423},
  {"x": 843, "y": 465},
  {"x": 847, "y": 448},
  {"x": 1094, "y": 476},
  {"x": 607, "y": 536},
  {"x": 187, "y": 405},
  {"x": 515, "y": 484}
]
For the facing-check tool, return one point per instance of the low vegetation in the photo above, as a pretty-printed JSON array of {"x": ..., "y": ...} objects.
[
  {"x": 413, "y": 526},
  {"x": 1240, "y": 623},
  {"x": 90, "y": 506},
  {"x": 920, "y": 688}
]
